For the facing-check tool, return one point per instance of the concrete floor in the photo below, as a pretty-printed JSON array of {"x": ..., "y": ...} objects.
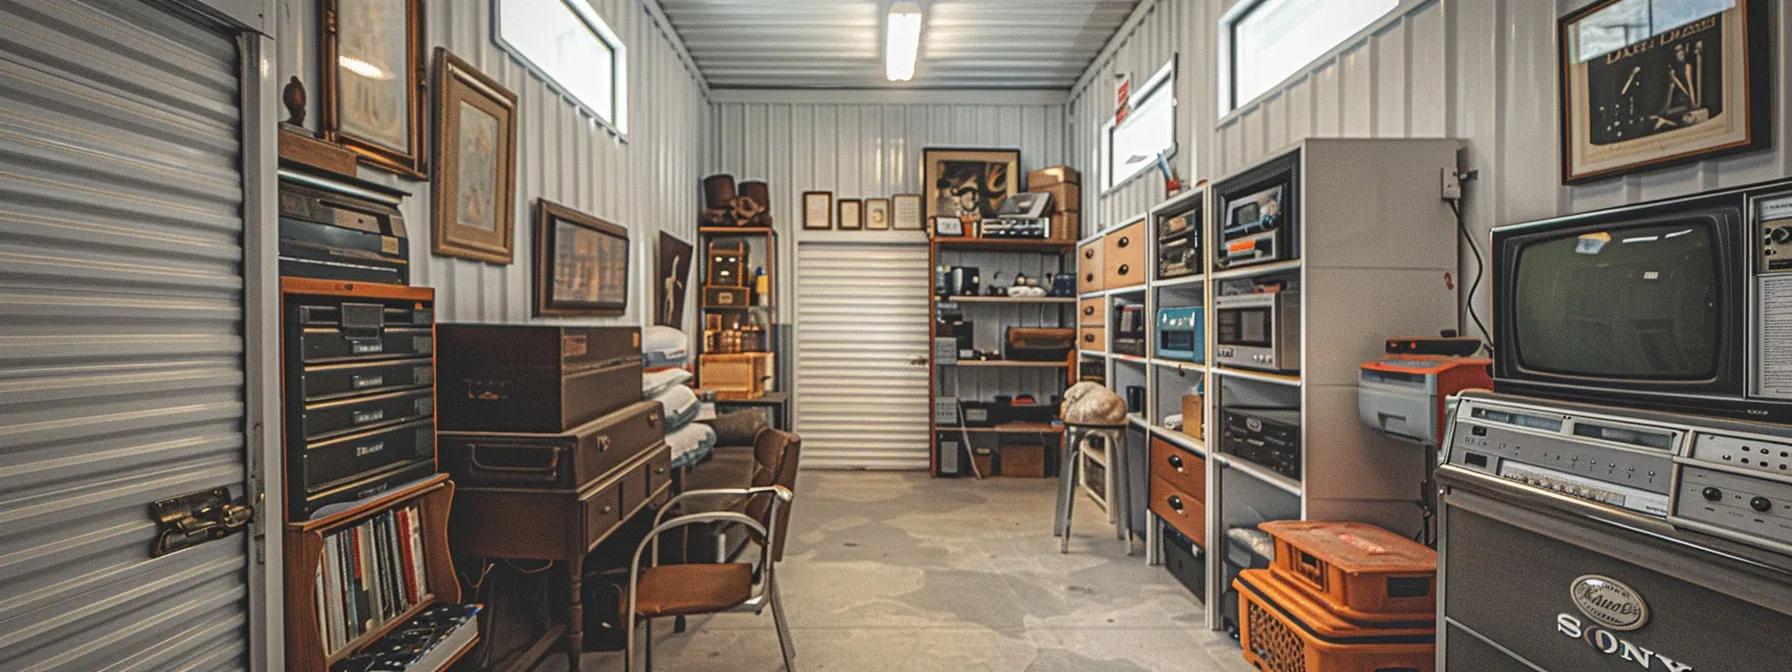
[{"x": 897, "y": 571}]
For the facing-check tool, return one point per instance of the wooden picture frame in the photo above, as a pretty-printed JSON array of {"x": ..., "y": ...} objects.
[
  {"x": 1688, "y": 91},
  {"x": 474, "y": 185},
  {"x": 372, "y": 82},
  {"x": 877, "y": 214},
  {"x": 968, "y": 183},
  {"x": 948, "y": 227},
  {"x": 852, "y": 214},
  {"x": 818, "y": 210},
  {"x": 673, "y": 272},
  {"x": 905, "y": 213},
  {"x": 581, "y": 263}
]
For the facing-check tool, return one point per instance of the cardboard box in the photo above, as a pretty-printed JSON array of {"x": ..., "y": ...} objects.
[
  {"x": 1067, "y": 197},
  {"x": 1023, "y": 460},
  {"x": 984, "y": 459},
  {"x": 1045, "y": 177},
  {"x": 1067, "y": 226},
  {"x": 1194, "y": 406}
]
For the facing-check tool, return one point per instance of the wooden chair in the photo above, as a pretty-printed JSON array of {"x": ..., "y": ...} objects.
[{"x": 707, "y": 588}]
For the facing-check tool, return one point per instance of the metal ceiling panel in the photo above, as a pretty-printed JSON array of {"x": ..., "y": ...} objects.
[{"x": 965, "y": 44}]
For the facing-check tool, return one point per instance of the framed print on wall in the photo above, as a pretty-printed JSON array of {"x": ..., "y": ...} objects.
[
  {"x": 581, "y": 263},
  {"x": 969, "y": 184},
  {"x": 818, "y": 210},
  {"x": 852, "y": 214},
  {"x": 1653, "y": 83},
  {"x": 474, "y": 185},
  {"x": 674, "y": 272},
  {"x": 371, "y": 69},
  {"x": 905, "y": 212},
  {"x": 877, "y": 214}
]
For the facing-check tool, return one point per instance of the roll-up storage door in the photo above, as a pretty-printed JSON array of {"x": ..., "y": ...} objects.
[
  {"x": 862, "y": 320},
  {"x": 121, "y": 348}
]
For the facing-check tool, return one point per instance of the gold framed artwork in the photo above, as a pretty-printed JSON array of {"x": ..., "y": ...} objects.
[
  {"x": 581, "y": 263},
  {"x": 372, "y": 81},
  {"x": 905, "y": 212},
  {"x": 818, "y": 210},
  {"x": 969, "y": 184},
  {"x": 852, "y": 214},
  {"x": 877, "y": 214},
  {"x": 474, "y": 184},
  {"x": 1653, "y": 83}
]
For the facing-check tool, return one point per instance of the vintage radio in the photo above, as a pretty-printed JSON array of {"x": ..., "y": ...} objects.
[
  {"x": 1181, "y": 334},
  {"x": 338, "y": 231},
  {"x": 976, "y": 413},
  {"x": 1129, "y": 329},
  {"x": 1016, "y": 228},
  {"x": 724, "y": 296},
  {"x": 1361, "y": 572},
  {"x": 1265, "y": 436},
  {"x": 1179, "y": 245},
  {"x": 1259, "y": 330},
  {"x": 535, "y": 378},
  {"x": 359, "y": 411},
  {"x": 727, "y": 264},
  {"x": 1257, "y": 219},
  {"x": 568, "y": 460},
  {"x": 1092, "y": 369},
  {"x": 1283, "y": 630},
  {"x": 1023, "y": 411},
  {"x": 1035, "y": 344}
]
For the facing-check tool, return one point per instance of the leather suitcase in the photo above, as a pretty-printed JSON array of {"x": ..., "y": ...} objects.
[
  {"x": 569, "y": 460},
  {"x": 533, "y": 524},
  {"x": 533, "y": 378}
]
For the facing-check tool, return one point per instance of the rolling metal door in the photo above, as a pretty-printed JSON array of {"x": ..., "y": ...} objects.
[
  {"x": 862, "y": 319},
  {"x": 121, "y": 348}
]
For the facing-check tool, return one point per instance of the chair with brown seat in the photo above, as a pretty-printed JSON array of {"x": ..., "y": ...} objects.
[{"x": 707, "y": 588}]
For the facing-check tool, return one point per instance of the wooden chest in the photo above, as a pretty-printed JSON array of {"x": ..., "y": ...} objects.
[
  {"x": 1365, "y": 573},
  {"x": 1282, "y": 629}
]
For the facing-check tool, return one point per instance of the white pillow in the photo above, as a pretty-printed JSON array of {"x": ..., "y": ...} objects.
[
  {"x": 664, "y": 341},
  {"x": 656, "y": 383}
]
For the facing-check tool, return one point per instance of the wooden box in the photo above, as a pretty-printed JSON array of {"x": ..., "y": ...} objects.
[
  {"x": 1194, "y": 414},
  {"x": 1123, "y": 257},
  {"x": 724, "y": 296},
  {"x": 1023, "y": 460},
  {"x": 1088, "y": 268},
  {"x": 736, "y": 377},
  {"x": 1045, "y": 177},
  {"x": 1282, "y": 629},
  {"x": 1092, "y": 338},
  {"x": 1066, "y": 226},
  {"x": 1066, "y": 197},
  {"x": 1090, "y": 312},
  {"x": 1180, "y": 509},
  {"x": 1364, "y": 573},
  {"x": 985, "y": 460}
]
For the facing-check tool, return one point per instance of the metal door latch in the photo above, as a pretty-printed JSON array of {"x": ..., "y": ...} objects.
[{"x": 195, "y": 518}]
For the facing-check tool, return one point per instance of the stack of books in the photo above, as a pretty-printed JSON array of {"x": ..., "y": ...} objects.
[{"x": 371, "y": 573}]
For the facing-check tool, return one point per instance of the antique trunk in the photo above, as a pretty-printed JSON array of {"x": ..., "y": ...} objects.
[
  {"x": 530, "y": 378},
  {"x": 567, "y": 460}
]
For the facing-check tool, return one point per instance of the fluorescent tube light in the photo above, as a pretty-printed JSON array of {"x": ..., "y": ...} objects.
[{"x": 902, "y": 41}]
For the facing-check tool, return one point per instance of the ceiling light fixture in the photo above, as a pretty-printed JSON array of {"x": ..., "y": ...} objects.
[{"x": 902, "y": 41}]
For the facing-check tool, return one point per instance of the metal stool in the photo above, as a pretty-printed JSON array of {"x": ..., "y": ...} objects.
[{"x": 1119, "y": 494}]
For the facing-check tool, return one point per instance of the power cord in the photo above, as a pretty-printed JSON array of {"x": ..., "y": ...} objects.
[{"x": 1480, "y": 272}]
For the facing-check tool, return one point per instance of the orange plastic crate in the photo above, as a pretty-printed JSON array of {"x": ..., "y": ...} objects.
[
  {"x": 1365, "y": 573},
  {"x": 1284, "y": 630}
]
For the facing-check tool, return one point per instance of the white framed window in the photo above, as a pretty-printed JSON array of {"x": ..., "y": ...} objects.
[
  {"x": 567, "y": 44},
  {"x": 1264, "y": 42},
  {"x": 1131, "y": 147}
]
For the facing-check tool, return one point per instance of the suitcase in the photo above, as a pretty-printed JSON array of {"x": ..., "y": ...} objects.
[
  {"x": 1365, "y": 573},
  {"x": 531, "y": 378},
  {"x": 1285, "y": 630},
  {"x": 569, "y": 460}
]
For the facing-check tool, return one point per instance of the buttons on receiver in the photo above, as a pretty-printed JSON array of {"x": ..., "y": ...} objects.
[
  {"x": 1711, "y": 494},
  {"x": 1760, "y": 503}
]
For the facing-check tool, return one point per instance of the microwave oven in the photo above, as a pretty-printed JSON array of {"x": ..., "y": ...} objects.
[
  {"x": 1181, "y": 334},
  {"x": 1258, "y": 331}
]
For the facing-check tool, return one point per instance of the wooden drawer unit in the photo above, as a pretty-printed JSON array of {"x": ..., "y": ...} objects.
[
  {"x": 1090, "y": 312},
  {"x": 1092, "y": 338},
  {"x": 1089, "y": 275},
  {"x": 1182, "y": 510},
  {"x": 1180, "y": 468},
  {"x": 1123, "y": 257}
]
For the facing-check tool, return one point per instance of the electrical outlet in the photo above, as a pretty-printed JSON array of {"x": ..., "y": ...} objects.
[{"x": 1451, "y": 184}]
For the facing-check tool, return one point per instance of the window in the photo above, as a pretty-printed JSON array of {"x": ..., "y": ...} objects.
[
  {"x": 1131, "y": 147},
  {"x": 567, "y": 44},
  {"x": 1630, "y": 21},
  {"x": 1266, "y": 41}
]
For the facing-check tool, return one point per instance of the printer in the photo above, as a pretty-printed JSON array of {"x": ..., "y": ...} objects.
[{"x": 1403, "y": 394}]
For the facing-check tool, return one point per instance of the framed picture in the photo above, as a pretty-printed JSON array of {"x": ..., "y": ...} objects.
[
  {"x": 818, "y": 210},
  {"x": 852, "y": 214},
  {"x": 674, "y": 272},
  {"x": 1652, "y": 83},
  {"x": 581, "y": 263},
  {"x": 948, "y": 227},
  {"x": 905, "y": 212},
  {"x": 877, "y": 214},
  {"x": 969, "y": 184},
  {"x": 371, "y": 67},
  {"x": 474, "y": 184}
]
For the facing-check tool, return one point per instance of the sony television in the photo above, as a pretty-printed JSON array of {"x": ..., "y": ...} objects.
[{"x": 1679, "y": 305}]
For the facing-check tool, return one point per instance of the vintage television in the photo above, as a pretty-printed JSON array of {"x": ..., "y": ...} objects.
[{"x": 1680, "y": 305}]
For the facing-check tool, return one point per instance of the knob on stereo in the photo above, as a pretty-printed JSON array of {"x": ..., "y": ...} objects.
[
  {"x": 1711, "y": 494},
  {"x": 1760, "y": 503}
]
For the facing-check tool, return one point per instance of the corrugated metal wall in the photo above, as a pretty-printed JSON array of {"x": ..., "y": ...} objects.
[
  {"x": 1481, "y": 70},
  {"x": 121, "y": 341},
  {"x": 646, "y": 182}
]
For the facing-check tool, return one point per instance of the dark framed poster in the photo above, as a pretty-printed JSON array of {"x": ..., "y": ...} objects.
[
  {"x": 969, "y": 184},
  {"x": 581, "y": 263},
  {"x": 674, "y": 272},
  {"x": 1653, "y": 83}
]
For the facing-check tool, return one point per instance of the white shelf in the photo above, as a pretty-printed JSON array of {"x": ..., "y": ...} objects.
[
  {"x": 1180, "y": 439},
  {"x": 1257, "y": 270},
  {"x": 1008, "y": 299},
  {"x": 1178, "y": 364},
  {"x": 1195, "y": 280},
  {"x": 1092, "y": 353},
  {"x": 1261, "y": 376},
  {"x": 1248, "y": 468},
  {"x": 1129, "y": 358},
  {"x": 1129, "y": 289},
  {"x": 1123, "y": 224},
  {"x": 1137, "y": 420},
  {"x": 1181, "y": 199}
]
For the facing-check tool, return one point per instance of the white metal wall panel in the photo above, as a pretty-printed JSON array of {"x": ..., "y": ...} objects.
[
  {"x": 646, "y": 182},
  {"x": 121, "y": 351},
  {"x": 862, "y": 319}
]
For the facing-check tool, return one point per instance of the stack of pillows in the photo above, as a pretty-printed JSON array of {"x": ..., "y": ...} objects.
[{"x": 667, "y": 380}]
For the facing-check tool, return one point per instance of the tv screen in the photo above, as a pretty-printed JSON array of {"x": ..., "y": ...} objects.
[{"x": 1634, "y": 302}]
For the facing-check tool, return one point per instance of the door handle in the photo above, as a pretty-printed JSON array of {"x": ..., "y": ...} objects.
[{"x": 917, "y": 360}]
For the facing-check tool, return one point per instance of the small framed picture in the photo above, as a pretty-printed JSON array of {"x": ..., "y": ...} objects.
[
  {"x": 877, "y": 214},
  {"x": 905, "y": 212},
  {"x": 581, "y": 263},
  {"x": 818, "y": 210},
  {"x": 852, "y": 214},
  {"x": 948, "y": 227}
]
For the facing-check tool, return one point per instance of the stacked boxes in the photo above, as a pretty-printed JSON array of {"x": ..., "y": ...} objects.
[{"x": 1065, "y": 186}]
